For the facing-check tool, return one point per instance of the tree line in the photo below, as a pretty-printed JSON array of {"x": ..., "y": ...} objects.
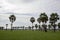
[{"x": 54, "y": 17}]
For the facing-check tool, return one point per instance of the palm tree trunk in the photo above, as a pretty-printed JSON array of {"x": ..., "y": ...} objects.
[
  {"x": 36, "y": 28},
  {"x": 45, "y": 29},
  {"x": 49, "y": 28},
  {"x": 11, "y": 26},
  {"x": 32, "y": 26},
  {"x": 6, "y": 26},
  {"x": 39, "y": 27},
  {"x": 54, "y": 29}
]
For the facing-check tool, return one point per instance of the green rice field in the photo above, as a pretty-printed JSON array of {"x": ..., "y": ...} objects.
[{"x": 28, "y": 35}]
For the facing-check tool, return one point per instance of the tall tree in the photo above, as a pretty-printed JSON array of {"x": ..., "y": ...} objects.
[
  {"x": 44, "y": 19},
  {"x": 38, "y": 20},
  {"x": 12, "y": 19},
  {"x": 53, "y": 19},
  {"x": 32, "y": 20}
]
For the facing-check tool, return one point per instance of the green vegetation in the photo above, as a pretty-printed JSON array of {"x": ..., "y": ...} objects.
[{"x": 28, "y": 35}]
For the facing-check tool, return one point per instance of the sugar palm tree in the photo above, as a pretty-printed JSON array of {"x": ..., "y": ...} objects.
[
  {"x": 32, "y": 20},
  {"x": 53, "y": 19},
  {"x": 6, "y": 26},
  {"x": 12, "y": 19},
  {"x": 59, "y": 25},
  {"x": 44, "y": 19},
  {"x": 38, "y": 20},
  {"x": 36, "y": 26}
]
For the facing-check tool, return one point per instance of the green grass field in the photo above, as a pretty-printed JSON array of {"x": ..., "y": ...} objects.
[{"x": 28, "y": 35}]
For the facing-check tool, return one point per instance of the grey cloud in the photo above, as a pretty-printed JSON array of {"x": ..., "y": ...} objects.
[
  {"x": 0, "y": 6},
  {"x": 27, "y": 14},
  {"x": 47, "y": 6}
]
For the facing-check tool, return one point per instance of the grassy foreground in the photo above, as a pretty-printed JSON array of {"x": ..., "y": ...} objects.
[{"x": 28, "y": 35}]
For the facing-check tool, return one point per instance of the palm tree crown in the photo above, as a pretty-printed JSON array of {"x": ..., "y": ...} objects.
[
  {"x": 54, "y": 17},
  {"x": 43, "y": 17},
  {"x": 12, "y": 18},
  {"x": 32, "y": 19}
]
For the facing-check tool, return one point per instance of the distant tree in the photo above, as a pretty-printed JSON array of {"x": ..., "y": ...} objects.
[
  {"x": 32, "y": 20},
  {"x": 36, "y": 26},
  {"x": 29, "y": 28},
  {"x": 53, "y": 19},
  {"x": 1, "y": 28},
  {"x": 12, "y": 19},
  {"x": 6, "y": 26},
  {"x": 38, "y": 20},
  {"x": 23, "y": 27},
  {"x": 44, "y": 19},
  {"x": 49, "y": 26}
]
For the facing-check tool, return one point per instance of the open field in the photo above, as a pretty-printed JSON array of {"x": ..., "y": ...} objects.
[{"x": 28, "y": 35}]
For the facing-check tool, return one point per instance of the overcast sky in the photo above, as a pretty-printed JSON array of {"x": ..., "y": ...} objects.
[{"x": 24, "y": 9}]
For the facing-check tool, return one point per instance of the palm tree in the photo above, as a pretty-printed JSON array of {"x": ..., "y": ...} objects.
[
  {"x": 12, "y": 19},
  {"x": 6, "y": 26},
  {"x": 59, "y": 26},
  {"x": 38, "y": 20},
  {"x": 44, "y": 19},
  {"x": 53, "y": 19},
  {"x": 36, "y": 26},
  {"x": 32, "y": 20},
  {"x": 29, "y": 27}
]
